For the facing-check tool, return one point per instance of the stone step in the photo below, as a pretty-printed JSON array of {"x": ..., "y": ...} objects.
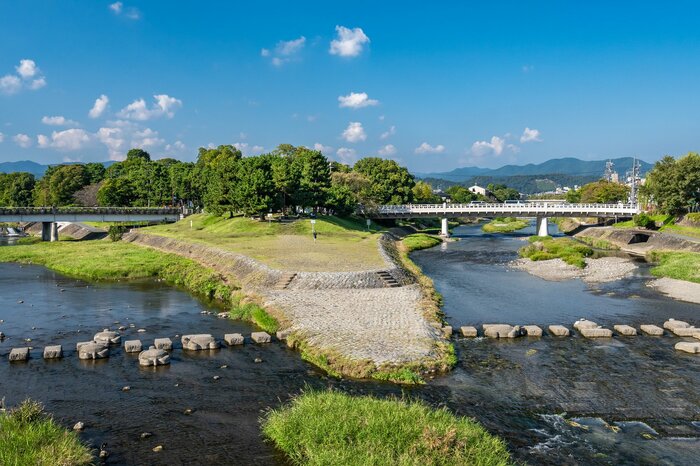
[
  {"x": 285, "y": 280},
  {"x": 388, "y": 279}
]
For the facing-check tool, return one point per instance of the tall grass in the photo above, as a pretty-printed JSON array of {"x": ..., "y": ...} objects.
[
  {"x": 505, "y": 225},
  {"x": 29, "y": 436},
  {"x": 331, "y": 428},
  {"x": 420, "y": 241},
  {"x": 678, "y": 265},
  {"x": 566, "y": 249}
]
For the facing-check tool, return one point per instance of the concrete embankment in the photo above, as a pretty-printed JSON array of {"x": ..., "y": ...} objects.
[
  {"x": 352, "y": 318},
  {"x": 639, "y": 241}
]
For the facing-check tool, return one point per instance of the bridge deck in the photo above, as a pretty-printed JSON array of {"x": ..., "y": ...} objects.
[
  {"x": 527, "y": 209},
  {"x": 87, "y": 214}
]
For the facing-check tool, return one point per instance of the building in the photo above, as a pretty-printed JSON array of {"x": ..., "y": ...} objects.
[{"x": 476, "y": 189}]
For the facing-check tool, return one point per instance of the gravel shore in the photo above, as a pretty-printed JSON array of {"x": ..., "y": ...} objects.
[
  {"x": 605, "y": 269},
  {"x": 677, "y": 289}
]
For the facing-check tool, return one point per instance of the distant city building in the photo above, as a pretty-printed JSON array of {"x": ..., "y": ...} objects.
[{"x": 476, "y": 189}]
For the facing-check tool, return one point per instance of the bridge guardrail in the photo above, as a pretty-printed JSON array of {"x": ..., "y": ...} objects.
[
  {"x": 525, "y": 207},
  {"x": 88, "y": 210}
]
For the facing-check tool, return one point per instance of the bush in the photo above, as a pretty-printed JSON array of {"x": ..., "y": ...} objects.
[
  {"x": 643, "y": 220},
  {"x": 116, "y": 232}
]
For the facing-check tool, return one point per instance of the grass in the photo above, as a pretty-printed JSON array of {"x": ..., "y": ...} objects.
[
  {"x": 599, "y": 243},
  {"x": 418, "y": 241},
  {"x": 29, "y": 436},
  {"x": 343, "y": 244},
  {"x": 678, "y": 265},
  {"x": 505, "y": 225},
  {"x": 658, "y": 219},
  {"x": 669, "y": 225},
  {"x": 323, "y": 428},
  {"x": 251, "y": 312},
  {"x": 566, "y": 249}
]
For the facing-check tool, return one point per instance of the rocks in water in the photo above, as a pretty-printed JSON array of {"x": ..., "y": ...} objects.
[
  {"x": 154, "y": 357},
  {"x": 216, "y": 377},
  {"x": 141, "y": 330},
  {"x": 163, "y": 344},
  {"x": 79, "y": 426},
  {"x": 146, "y": 434},
  {"x": 688, "y": 347},
  {"x": 93, "y": 350},
  {"x": 222, "y": 315},
  {"x": 122, "y": 328},
  {"x": 671, "y": 324},
  {"x": 596, "y": 332},
  {"x": 501, "y": 331},
  {"x": 233, "y": 339},
  {"x": 652, "y": 330},
  {"x": 2, "y": 336},
  {"x": 532, "y": 330},
  {"x": 583, "y": 323},
  {"x": 558, "y": 331},
  {"x": 625, "y": 330},
  {"x": 283, "y": 334},
  {"x": 126, "y": 388},
  {"x": 158, "y": 448},
  {"x": 447, "y": 331},
  {"x": 202, "y": 341},
  {"x": 261, "y": 337},
  {"x": 133, "y": 346},
  {"x": 468, "y": 331},
  {"x": 257, "y": 360},
  {"x": 107, "y": 337},
  {"x": 53, "y": 352},
  {"x": 188, "y": 411},
  {"x": 685, "y": 331},
  {"x": 19, "y": 354},
  {"x": 81, "y": 343}
]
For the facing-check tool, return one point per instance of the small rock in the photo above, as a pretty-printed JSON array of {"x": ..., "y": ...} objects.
[
  {"x": 103, "y": 453},
  {"x": 583, "y": 323},
  {"x": 141, "y": 330},
  {"x": 260, "y": 337},
  {"x": 216, "y": 377},
  {"x": 146, "y": 434},
  {"x": 163, "y": 344},
  {"x": 652, "y": 330},
  {"x": 625, "y": 330},
  {"x": 122, "y": 328},
  {"x": 532, "y": 330},
  {"x": 158, "y": 448},
  {"x": 189, "y": 411},
  {"x": 558, "y": 330},
  {"x": 257, "y": 360},
  {"x": 20, "y": 301},
  {"x": 79, "y": 426},
  {"x": 233, "y": 339},
  {"x": 224, "y": 367},
  {"x": 126, "y": 388},
  {"x": 596, "y": 332},
  {"x": 468, "y": 331},
  {"x": 447, "y": 331}
]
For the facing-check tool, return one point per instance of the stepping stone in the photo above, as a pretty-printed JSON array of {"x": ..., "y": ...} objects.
[
  {"x": 670, "y": 324},
  {"x": 688, "y": 347},
  {"x": 532, "y": 330},
  {"x": 651, "y": 330},
  {"x": 685, "y": 331},
  {"x": 108, "y": 337},
  {"x": 625, "y": 330},
  {"x": 596, "y": 332},
  {"x": 559, "y": 331},
  {"x": 163, "y": 343},
  {"x": 283, "y": 334},
  {"x": 469, "y": 332},
  {"x": 260, "y": 337},
  {"x": 233, "y": 339},
  {"x": 500, "y": 331},
  {"x": 447, "y": 331},
  {"x": 202, "y": 341},
  {"x": 19, "y": 354},
  {"x": 53, "y": 352},
  {"x": 93, "y": 350},
  {"x": 154, "y": 357},
  {"x": 132, "y": 346},
  {"x": 81, "y": 343},
  {"x": 583, "y": 323}
]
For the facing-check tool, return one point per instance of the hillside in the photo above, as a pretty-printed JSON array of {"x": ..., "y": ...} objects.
[{"x": 34, "y": 168}]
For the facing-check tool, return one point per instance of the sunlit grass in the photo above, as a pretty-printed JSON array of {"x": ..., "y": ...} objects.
[
  {"x": 505, "y": 225},
  {"x": 678, "y": 265},
  {"x": 566, "y": 249}
]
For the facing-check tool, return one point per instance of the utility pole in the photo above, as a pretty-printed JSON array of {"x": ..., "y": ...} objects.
[{"x": 634, "y": 174}]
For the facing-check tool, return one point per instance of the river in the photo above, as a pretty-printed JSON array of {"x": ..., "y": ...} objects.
[{"x": 556, "y": 401}]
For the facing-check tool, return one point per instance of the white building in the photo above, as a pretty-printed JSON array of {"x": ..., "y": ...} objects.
[{"x": 476, "y": 189}]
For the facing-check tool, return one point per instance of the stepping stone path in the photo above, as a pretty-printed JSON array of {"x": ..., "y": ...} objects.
[
  {"x": 652, "y": 330},
  {"x": 202, "y": 341},
  {"x": 233, "y": 339},
  {"x": 559, "y": 331},
  {"x": 596, "y": 332},
  {"x": 19, "y": 354},
  {"x": 163, "y": 343},
  {"x": 532, "y": 330},
  {"x": 469, "y": 332},
  {"x": 132, "y": 346},
  {"x": 625, "y": 330},
  {"x": 261, "y": 337},
  {"x": 501, "y": 331},
  {"x": 107, "y": 337},
  {"x": 583, "y": 323},
  {"x": 688, "y": 347},
  {"x": 154, "y": 357},
  {"x": 93, "y": 350},
  {"x": 53, "y": 352}
]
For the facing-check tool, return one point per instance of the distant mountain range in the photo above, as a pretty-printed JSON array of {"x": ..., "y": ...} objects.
[{"x": 34, "y": 168}]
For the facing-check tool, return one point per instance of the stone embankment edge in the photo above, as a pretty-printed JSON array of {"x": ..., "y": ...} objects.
[{"x": 256, "y": 277}]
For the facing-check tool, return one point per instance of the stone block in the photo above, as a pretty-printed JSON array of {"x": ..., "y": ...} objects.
[
  {"x": 447, "y": 331},
  {"x": 688, "y": 347},
  {"x": 670, "y": 324},
  {"x": 19, "y": 354},
  {"x": 93, "y": 350},
  {"x": 625, "y": 330},
  {"x": 53, "y": 352},
  {"x": 497, "y": 330},
  {"x": 468, "y": 331},
  {"x": 596, "y": 332},
  {"x": 685, "y": 331},
  {"x": 154, "y": 357},
  {"x": 81, "y": 343},
  {"x": 202, "y": 341},
  {"x": 260, "y": 337},
  {"x": 163, "y": 343},
  {"x": 133, "y": 346},
  {"x": 583, "y": 323},
  {"x": 652, "y": 330},
  {"x": 233, "y": 339},
  {"x": 107, "y": 337},
  {"x": 558, "y": 330},
  {"x": 532, "y": 330},
  {"x": 283, "y": 334},
  {"x": 515, "y": 332}
]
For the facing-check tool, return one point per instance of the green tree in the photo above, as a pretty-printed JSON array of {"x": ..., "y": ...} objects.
[
  {"x": 117, "y": 192},
  {"x": 674, "y": 185},
  {"x": 253, "y": 192},
  {"x": 138, "y": 154},
  {"x": 59, "y": 184},
  {"x": 389, "y": 182},
  {"x": 502, "y": 192},
  {"x": 94, "y": 172},
  {"x": 461, "y": 195},
  {"x": 604, "y": 192},
  {"x": 423, "y": 194},
  {"x": 16, "y": 189},
  {"x": 314, "y": 178}
]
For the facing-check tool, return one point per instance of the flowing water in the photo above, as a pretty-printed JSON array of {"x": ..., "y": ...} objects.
[{"x": 556, "y": 401}]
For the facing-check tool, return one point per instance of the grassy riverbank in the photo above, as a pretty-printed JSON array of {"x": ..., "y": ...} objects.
[
  {"x": 321, "y": 428},
  {"x": 29, "y": 436},
  {"x": 678, "y": 265},
  {"x": 505, "y": 225},
  {"x": 566, "y": 249}
]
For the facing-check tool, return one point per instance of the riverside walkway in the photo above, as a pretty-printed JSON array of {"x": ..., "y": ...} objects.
[{"x": 539, "y": 210}]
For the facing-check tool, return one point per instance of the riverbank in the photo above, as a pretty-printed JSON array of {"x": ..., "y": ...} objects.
[
  {"x": 505, "y": 225},
  {"x": 677, "y": 289},
  {"x": 604, "y": 269}
]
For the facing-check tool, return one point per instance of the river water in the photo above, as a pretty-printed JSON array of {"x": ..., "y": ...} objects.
[{"x": 556, "y": 401}]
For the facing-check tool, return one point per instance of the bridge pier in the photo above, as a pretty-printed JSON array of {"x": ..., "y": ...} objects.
[
  {"x": 444, "y": 231},
  {"x": 542, "y": 226},
  {"x": 49, "y": 231}
]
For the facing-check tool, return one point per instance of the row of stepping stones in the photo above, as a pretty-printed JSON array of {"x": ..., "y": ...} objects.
[
  {"x": 155, "y": 355},
  {"x": 588, "y": 329}
]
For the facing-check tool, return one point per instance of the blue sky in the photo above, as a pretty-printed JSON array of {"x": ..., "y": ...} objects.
[{"x": 435, "y": 86}]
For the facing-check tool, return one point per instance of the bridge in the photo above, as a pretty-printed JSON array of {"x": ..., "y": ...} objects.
[
  {"x": 539, "y": 210},
  {"x": 49, "y": 216}
]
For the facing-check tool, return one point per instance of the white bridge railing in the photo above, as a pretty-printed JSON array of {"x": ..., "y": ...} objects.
[{"x": 525, "y": 209}]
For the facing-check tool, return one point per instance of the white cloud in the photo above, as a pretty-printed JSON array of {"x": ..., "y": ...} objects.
[
  {"x": 10, "y": 84},
  {"x": 146, "y": 138},
  {"x": 116, "y": 7},
  {"x": 114, "y": 139},
  {"x": 68, "y": 140},
  {"x": 346, "y": 155},
  {"x": 99, "y": 107},
  {"x": 28, "y": 76},
  {"x": 426, "y": 148},
  {"x": 495, "y": 147},
  {"x": 389, "y": 133},
  {"x": 37, "y": 83},
  {"x": 119, "y": 10},
  {"x": 530, "y": 135},
  {"x": 285, "y": 51},
  {"x": 248, "y": 149},
  {"x": 349, "y": 42},
  {"x": 323, "y": 149},
  {"x": 354, "y": 132},
  {"x": 138, "y": 110},
  {"x": 58, "y": 121},
  {"x": 22, "y": 140},
  {"x": 387, "y": 150},
  {"x": 27, "y": 68},
  {"x": 356, "y": 100},
  {"x": 2, "y": 137},
  {"x": 177, "y": 146}
]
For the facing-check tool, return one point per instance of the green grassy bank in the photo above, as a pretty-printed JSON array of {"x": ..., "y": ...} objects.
[
  {"x": 678, "y": 265},
  {"x": 505, "y": 225},
  {"x": 668, "y": 224},
  {"x": 106, "y": 260},
  {"x": 323, "y": 428},
  {"x": 566, "y": 249},
  {"x": 29, "y": 436}
]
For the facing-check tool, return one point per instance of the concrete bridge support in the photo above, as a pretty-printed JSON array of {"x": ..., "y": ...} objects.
[
  {"x": 444, "y": 231},
  {"x": 542, "y": 226},
  {"x": 49, "y": 231}
]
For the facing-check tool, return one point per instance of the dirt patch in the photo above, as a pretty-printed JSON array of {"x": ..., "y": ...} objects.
[{"x": 677, "y": 289}]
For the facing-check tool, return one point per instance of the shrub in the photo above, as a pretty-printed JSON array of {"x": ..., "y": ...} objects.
[
  {"x": 643, "y": 220},
  {"x": 116, "y": 232}
]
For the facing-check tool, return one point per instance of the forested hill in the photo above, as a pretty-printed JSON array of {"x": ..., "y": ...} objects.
[{"x": 34, "y": 168}]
